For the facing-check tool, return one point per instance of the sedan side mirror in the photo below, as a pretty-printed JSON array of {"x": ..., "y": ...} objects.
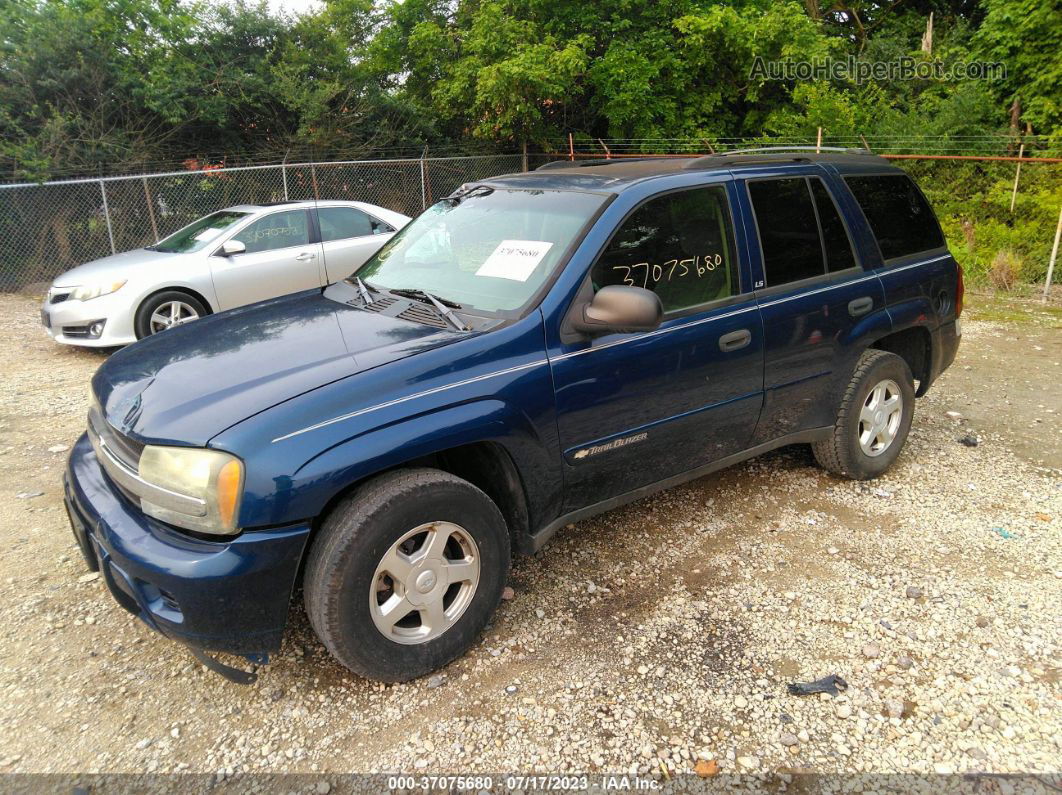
[
  {"x": 230, "y": 247},
  {"x": 619, "y": 308}
]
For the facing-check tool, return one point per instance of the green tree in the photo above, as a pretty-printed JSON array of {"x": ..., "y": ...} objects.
[{"x": 1026, "y": 36}]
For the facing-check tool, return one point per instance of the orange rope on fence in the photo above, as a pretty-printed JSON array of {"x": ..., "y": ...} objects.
[{"x": 1006, "y": 158}]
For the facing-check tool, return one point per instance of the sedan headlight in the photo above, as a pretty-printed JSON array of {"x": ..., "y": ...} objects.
[
  {"x": 87, "y": 292},
  {"x": 195, "y": 489}
]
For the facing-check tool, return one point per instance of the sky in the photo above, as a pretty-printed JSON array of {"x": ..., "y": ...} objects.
[{"x": 294, "y": 7}]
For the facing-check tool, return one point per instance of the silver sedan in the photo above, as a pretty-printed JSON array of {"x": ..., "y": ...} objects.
[{"x": 227, "y": 259}]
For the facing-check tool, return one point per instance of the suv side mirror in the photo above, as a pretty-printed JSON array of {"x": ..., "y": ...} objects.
[
  {"x": 619, "y": 308},
  {"x": 230, "y": 247}
]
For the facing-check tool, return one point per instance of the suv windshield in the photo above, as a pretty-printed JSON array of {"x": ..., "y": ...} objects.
[
  {"x": 198, "y": 234},
  {"x": 490, "y": 250}
]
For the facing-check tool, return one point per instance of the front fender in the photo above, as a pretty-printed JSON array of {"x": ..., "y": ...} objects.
[{"x": 321, "y": 479}]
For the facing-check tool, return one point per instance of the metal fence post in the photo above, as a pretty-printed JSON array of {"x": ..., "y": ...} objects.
[
  {"x": 1054, "y": 257},
  {"x": 284, "y": 174},
  {"x": 107, "y": 215},
  {"x": 423, "y": 180},
  {"x": 151, "y": 209}
]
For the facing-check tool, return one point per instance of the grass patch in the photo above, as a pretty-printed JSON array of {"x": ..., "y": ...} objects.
[{"x": 1012, "y": 310}]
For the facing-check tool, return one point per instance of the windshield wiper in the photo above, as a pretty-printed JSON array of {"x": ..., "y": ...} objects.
[
  {"x": 476, "y": 190},
  {"x": 442, "y": 305},
  {"x": 365, "y": 295}
]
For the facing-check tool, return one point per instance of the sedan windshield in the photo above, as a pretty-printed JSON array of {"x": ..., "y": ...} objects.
[
  {"x": 490, "y": 249},
  {"x": 197, "y": 235}
]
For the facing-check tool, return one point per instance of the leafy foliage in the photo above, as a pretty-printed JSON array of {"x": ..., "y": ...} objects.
[{"x": 91, "y": 85}]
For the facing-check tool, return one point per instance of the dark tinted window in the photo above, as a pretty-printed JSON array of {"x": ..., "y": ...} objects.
[
  {"x": 839, "y": 255},
  {"x": 338, "y": 223},
  {"x": 789, "y": 234},
  {"x": 898, "y": 214},
  {"x": 676, "y": 245},
  {"x": 278, "y": 230}
]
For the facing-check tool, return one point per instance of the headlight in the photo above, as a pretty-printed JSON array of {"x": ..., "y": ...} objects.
[
  {"x": 199, "y": 489},
  {"x": 88, "y": 291}
]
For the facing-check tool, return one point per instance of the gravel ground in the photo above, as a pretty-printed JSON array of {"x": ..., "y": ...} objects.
[{"x": 649, "y": 639}]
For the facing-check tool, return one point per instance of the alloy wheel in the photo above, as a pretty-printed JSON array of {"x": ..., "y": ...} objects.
[
  {"x": 170, "y": 314},
  {"x": 880, "y": 417},
  {"x": 424, "y": 583}
]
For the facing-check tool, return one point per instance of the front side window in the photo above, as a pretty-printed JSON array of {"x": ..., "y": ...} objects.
[
  {"x": 489, "y": 249},
  {"x": 899, "y": 215},
  {"x": 677, "y": 245},
  {"x": 199, "y": 233},
  {"x": 339, "y": 223},
  {"x": 276, "y": 230}
]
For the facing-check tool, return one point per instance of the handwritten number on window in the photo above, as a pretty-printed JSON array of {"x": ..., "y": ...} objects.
[{"x": 699, "y": 265}]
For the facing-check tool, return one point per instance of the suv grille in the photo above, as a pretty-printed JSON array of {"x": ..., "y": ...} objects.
[
  {"x": 125, "y": 449},
  {"x": 121, "y": 446}
]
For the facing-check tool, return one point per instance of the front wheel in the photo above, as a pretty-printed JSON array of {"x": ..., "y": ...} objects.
[
  {"x": 165, "y": 310},
  {"x": 406, "y": 572},
  {"x": 874, "y": 418}
]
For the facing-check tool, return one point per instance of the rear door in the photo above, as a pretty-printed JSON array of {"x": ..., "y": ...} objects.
[
  {"x": 813, "y": 293},
  {"x": 349, "y": 237},
  {"x": 279, "y": 259},
  {"x": 634, "y": 409}
]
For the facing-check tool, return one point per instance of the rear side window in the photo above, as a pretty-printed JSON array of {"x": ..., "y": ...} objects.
[
  {"x": 839, "y": 255},
  {"x": 338, "y": 223},
  {"x": 899, "y": 215},
  {"x": 677, "y": 245},
  {"x": 789, "y": 232}
]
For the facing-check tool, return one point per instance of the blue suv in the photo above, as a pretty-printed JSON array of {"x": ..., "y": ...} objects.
[{"x": 531, "y": 350}]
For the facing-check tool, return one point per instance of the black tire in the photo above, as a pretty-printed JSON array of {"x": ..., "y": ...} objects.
[
  {"x": 342, "y": 565},
  {"x": 842, "y": 453},
  {"x": 142, "y": 321}
]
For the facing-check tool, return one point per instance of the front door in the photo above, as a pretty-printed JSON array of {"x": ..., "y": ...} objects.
[
  {"x": 279, "y": 259},
  {"x": 634, "y": 409}
]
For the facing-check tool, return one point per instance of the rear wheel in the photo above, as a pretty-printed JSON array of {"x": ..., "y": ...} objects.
[
  {"x": 874, "y": 418},
  {"x": 406, "y": 572},
  {"x": 165, "y": 310}
]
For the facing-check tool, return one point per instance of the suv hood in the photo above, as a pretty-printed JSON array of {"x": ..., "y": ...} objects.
[{"x": 186, "y": 385}]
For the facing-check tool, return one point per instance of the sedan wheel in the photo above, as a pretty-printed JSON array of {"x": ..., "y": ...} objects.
[{"x": 170, "y": 314}]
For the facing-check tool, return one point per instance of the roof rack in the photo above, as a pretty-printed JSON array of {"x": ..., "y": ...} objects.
[
  {"x": 847, "y": 150},
  {"x": 774, "y": 153}
]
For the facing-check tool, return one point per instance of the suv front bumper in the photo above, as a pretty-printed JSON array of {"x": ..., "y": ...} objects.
[{"x": 230, "y": 595}]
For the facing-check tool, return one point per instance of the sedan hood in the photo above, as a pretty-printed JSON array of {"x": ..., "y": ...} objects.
[
  {"x": 114, "y": 266},
  {"x": 186, "y": 385}
]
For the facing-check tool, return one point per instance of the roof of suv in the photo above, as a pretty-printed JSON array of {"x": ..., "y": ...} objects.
[{"x": 614, "y": 175}]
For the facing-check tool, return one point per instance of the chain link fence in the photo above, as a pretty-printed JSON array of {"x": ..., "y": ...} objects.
[{"x": 51, "y": 227}]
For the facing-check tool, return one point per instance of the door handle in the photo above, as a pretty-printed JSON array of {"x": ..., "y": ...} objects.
[
  {"x": 860, "y": 306},
  {"x": 306, "y": 256},
  {"x": 735, "y": 340}
]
